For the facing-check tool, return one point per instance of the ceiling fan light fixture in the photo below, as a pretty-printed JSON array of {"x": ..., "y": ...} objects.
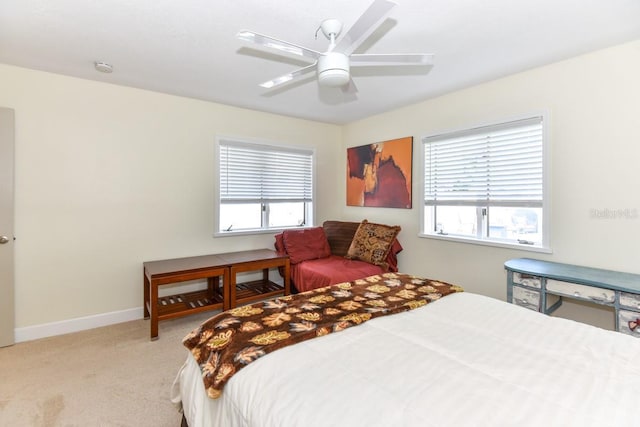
[{"x": 333, "y": 69}]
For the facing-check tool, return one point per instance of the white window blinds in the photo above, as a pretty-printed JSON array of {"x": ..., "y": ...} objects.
[
  {"x": 499, "y": 165},
  {"x": 259, "y": 173}
]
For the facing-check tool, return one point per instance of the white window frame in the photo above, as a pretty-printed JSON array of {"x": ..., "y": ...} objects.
[
  {"x": 310, "y": 207},
  {"x": 426, "y": 230}
]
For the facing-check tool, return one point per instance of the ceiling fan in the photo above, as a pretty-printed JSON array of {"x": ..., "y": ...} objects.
[{"x": 333, "y": 66}]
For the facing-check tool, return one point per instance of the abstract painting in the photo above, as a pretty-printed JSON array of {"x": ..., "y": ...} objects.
[{"x": 379, "y": 174}]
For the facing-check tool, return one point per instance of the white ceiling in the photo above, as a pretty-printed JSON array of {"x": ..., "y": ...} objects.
[{"x": 189, "y": 48}]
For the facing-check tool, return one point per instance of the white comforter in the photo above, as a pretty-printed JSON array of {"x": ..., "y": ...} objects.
[{"x": 465, "y": 360}]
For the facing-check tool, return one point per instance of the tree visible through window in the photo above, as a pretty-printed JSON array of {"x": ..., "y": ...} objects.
[{"x": 487, "y": 183}]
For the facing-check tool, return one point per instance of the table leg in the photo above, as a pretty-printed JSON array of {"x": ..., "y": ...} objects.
[
  {"x": 153, "y": 308},
  {"x": 232, "y": 288},
  {"x": 145, "y": 284},
  {"x": 287, "y": 277},
  {"x": 265, "y": 279},
  {"x": 213, "y": 287},
  {"x": 226, "y": 289}
]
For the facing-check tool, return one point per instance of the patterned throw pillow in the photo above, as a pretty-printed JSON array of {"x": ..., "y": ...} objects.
[{"x": 372, "y": 242}]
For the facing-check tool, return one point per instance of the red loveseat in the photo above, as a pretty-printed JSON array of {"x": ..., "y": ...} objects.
[{"x": 323, "y": 256}]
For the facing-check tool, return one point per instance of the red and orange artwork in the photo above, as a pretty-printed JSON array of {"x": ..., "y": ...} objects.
[{"x": 379, "y": 174}]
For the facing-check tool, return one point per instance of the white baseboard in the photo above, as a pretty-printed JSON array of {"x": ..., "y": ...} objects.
[{"x": 45, "y": 330}]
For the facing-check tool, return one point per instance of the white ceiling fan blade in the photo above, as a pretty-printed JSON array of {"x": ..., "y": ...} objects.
[
  {"x": 281, "y": 45},
  {"x": 391, "y": 59},
  {"x": 364, "y": 26},
  {"x": 286, "y": 78}
]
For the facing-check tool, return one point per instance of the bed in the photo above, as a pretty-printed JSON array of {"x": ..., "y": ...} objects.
[{"x": 460, "y": 360}]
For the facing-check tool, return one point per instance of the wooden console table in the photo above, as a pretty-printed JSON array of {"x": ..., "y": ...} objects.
[
  {"x": 218, "y": 295},
  {"x": 260, "y": 259},
  {"x": 164, "y": 272}
]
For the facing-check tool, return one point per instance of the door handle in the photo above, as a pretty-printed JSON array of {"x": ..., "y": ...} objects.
[{"x": 4, "y": 239}]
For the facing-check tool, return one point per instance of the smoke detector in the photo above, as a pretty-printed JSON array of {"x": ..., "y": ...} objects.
[{"x": 103, "y": 67}]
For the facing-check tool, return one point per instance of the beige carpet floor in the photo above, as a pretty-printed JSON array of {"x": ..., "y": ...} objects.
[{"x": 110, "y": 376}]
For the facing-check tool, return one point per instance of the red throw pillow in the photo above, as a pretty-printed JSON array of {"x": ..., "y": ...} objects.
[
  {"x": 306, "y": 244},
  {"x": 279, "y": 244}
]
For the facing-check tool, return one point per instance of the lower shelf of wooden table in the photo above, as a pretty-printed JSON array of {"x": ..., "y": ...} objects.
[
  {"x": 256, "y": 290},
  {"x": 172, "y": 306}
]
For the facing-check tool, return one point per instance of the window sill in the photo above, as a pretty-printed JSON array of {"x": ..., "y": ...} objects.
[
  {"x": 256, "y": 231},
  {"x": 505, "y": 245}
]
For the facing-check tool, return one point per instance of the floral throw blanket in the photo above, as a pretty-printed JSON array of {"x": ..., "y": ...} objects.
[{"x": 232, "y": 339}]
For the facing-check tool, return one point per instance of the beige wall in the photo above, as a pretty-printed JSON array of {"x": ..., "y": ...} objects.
[
  {"x": 108, "y": 177},
  {"x": 594, "y": 106}
]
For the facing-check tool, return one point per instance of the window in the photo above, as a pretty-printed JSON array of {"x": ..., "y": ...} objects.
[
  {"x": 263, "y": 187},
  {"x": 487, "y": 184}
]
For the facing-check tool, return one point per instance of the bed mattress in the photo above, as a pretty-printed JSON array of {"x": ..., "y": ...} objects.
[{"x": 464, "y": 360}]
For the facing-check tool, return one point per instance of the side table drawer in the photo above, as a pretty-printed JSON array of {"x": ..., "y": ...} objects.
[
  {"x": 599, "y": 295},
  {"x": 630, "y": 300},
  {"x": 629, "y": 322},
  {"x": 527, "y": 280},
  {"x": 526, "y": 298}
]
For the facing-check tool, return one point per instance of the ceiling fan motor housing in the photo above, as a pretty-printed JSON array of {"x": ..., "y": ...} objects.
[{"x": 333, "y": 69}]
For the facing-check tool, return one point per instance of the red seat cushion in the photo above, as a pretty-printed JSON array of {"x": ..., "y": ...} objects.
[{"x": 313, "y": 274}]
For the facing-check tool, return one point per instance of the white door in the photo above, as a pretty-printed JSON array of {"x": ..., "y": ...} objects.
[{"x": 7, "y": 313}]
